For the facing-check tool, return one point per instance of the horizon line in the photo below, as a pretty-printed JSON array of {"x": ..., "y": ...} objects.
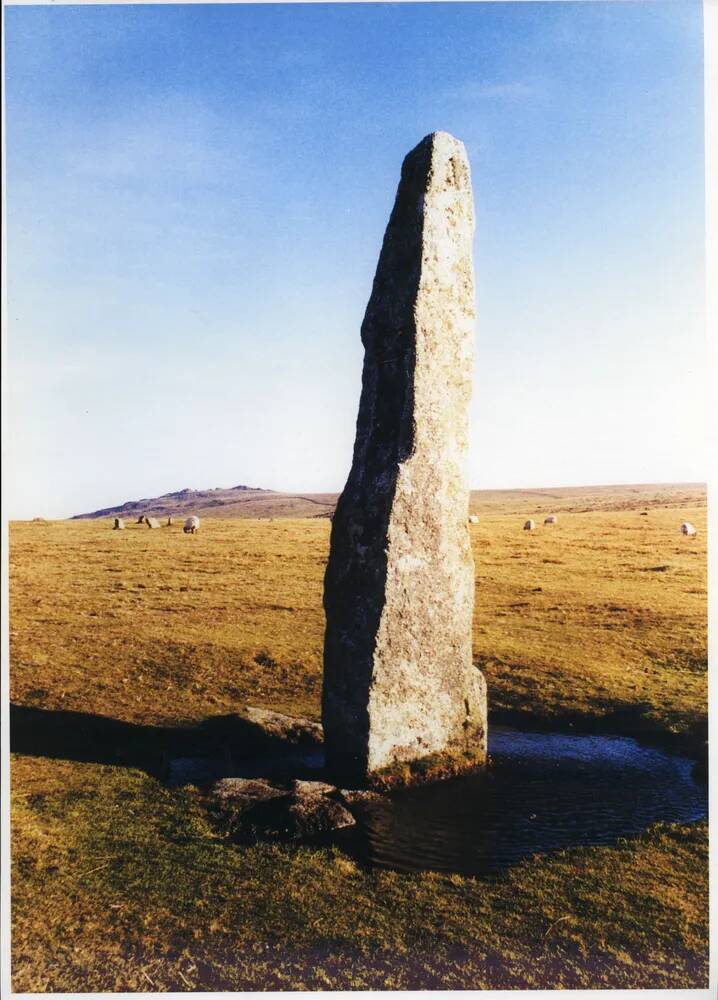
[{"x": 298, "y": 493}]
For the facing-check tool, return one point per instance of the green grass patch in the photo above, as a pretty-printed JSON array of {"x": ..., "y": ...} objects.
[{"x": 120, "y": 883}]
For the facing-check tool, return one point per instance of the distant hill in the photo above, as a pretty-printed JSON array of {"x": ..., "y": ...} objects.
[
  {"x": 249, "y": 501},
  {"x": 238, "y": 501}
]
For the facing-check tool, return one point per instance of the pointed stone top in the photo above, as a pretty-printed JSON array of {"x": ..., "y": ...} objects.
[
  {"x": 442, "y": 136},
  {"x": 443, "y": 157},
  {"x": 436, "y": 139}
]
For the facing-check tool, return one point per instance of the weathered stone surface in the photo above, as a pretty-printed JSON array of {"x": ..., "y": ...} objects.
[
  {"x": 399, "y": 684},
  {"x": 246, "y": 790},
  {"x": 251, "y": 806},
  {"x": 240, "y": 803},
  {"x": 286, "y": 728},
  {"x": 312, "y": 787},
  {"x": 310, "y": 815}
]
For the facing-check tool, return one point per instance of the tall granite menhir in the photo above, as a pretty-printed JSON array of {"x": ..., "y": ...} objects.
[{"x": 399, "y": 683}]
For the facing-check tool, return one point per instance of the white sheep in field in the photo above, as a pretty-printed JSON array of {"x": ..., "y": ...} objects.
[
  {"x": 473, "y": 518},
  {"x": 530, "y": 525},
  {"x": 551, "y": 519},
  {"x": 687, "y": 528},
  {"x": 152, "y": 522},
  {"x": 191, "y": 525},
  {"x": 119, "y": 524}
]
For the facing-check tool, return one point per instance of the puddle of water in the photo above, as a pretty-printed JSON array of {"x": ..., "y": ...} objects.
[
  {"x": 281, "y": 766},
  {"x": 543, "y": 792}
]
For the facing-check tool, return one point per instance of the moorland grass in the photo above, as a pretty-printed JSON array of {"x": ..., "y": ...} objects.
[
  {"x": 602, "y": 612},
  {"x": 120, "y": 883}
]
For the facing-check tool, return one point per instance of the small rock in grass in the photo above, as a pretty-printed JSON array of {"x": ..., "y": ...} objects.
[
  {"x": 246, "y": 789},
  {"x": 253, "y": 806},
  {"x": 314, "y": 814},
  {"x": 301, "y": 788},
  {"x": 296, "y": 816}
]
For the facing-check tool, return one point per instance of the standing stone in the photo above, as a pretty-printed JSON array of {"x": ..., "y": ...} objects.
[{"x": 399, "y": 682}]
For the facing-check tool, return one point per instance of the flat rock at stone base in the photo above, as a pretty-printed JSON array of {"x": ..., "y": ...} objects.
[
  {"x": 255, "y": 807},
  {"x": 284, "y": 727},
  {"x": 246, "y": 789},
  {"x": 314, "y": 814},
  {"x": 312, "y": 788}
]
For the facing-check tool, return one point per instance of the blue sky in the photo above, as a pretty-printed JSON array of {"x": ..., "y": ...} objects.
[{"x": 196, "y": 197}]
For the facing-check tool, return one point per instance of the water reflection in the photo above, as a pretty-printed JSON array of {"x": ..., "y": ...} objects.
[{"x": 544, "y": 792}]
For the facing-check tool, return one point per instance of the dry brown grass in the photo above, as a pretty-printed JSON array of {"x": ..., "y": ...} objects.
[
  {"x": 122, "y": 884},
  {"x": 603, "y": 611}
]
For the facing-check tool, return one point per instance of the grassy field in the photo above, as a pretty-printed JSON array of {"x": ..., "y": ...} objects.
[{"x": 118, "y": 637}]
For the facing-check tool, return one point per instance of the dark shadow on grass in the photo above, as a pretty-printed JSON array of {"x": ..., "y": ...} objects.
[
  {"x": 82, "y": 736},
  {"x": 250, "y": 751},
  {"x": 542, "y": 792}
]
